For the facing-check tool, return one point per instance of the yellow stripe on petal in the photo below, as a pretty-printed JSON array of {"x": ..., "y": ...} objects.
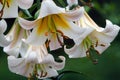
[
  {"x": 51, "y": 25},
  {"x": 60, "y": 21},
  {"x": 42, "y": 26},
  {"x": 7, "y": 2}
]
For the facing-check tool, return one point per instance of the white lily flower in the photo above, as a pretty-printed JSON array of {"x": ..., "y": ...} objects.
[
  {"x": 9, "y": 8},
  {"x": 99, "y": 39},
  {"x": 36, "y": 61},
  {"x": 53, "y": 23},
  {"x": 3, "y": 41},
  {"x": 15, "y": 36}
]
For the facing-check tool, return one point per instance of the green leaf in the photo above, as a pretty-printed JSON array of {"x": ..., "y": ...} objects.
[{"x": 60, "y": 3}]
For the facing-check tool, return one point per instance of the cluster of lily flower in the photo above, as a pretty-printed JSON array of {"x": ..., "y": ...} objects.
[{"x": 27, "y": 42}]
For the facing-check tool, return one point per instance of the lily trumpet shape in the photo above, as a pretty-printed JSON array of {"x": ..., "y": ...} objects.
[
  {"x": 9, "y": 8},
  {"x": 15, "y": 36},
  {"x": 99, "y": 39},
  {"x": 36, "y": 61},
  {"x": 3, "y": 41},
  {"x": 53, "y": 24}
]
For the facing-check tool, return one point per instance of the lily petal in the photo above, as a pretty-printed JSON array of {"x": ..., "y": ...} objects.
[
  {"x": 74, "y": 32},
  {"x": 15, "y": 35},
  {"x": 19, "y": 66},
  {"x": 3, "y": 26},
  {"x": 27, "y": 24},
  {"x": 25, "y": 4},
  {"x": 8, "y": 11},
  {"x": 48, "y": 8},
  {"x": 49, "y": 59},
  {"x": 23, "y": 49},
  {"x": 74, "y": 15},
  {"x": 3, "y": 41},
  {"x": 99, "y": 38},
  {"x": 54, "y": 42},
  {"x": 77, "y": 51},
  {"x": 51, "y": 20},
  {"x": 35, "y": 56},
  {"x": 50, "y": 73},
  {"x": 38, "y": 36},
  {"x": 101, "y": 49},
  {"x": 108, "y": 34}
]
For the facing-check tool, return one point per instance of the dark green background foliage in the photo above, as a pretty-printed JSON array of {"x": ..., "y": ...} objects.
[{"x": 108, "y": 67}]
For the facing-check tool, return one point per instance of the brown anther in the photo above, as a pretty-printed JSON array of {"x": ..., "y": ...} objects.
[
  {"x": 47, "y": 43},
  {"x": 96, "y": 43},
  {"x": 37, "y": 74},
  {"x": 45, "y": 74},
  {"x": 102, "y": 45}
]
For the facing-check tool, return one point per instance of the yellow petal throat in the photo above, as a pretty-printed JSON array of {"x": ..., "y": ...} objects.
[{"x": 51, "y": 23}]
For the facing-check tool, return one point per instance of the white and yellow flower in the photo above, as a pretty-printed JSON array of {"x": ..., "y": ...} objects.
[
  {"x": 9, "y": 8},
  {"x": 15, "y": 36},
  {"x": 37, "y": 61},
  {"x": 3, "y": 26},
  {"x": 99, "y": 39},
  {"x": 53, "y": 23}
]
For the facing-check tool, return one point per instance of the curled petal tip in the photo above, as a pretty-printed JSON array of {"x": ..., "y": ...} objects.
[{"x": 25, "y": 4}]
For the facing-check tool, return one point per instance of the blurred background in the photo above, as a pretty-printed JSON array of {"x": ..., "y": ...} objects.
[{"x": 108, "y": 67}]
